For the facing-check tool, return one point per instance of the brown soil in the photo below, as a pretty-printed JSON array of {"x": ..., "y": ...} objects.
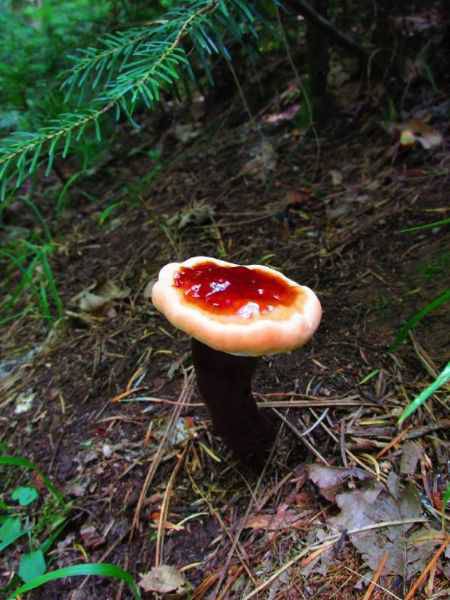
[{"x": 344, "y": 240}]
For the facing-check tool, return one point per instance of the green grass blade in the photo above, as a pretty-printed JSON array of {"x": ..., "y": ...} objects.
[
  {"x": 26, "y": 282},
  {"x": 48, "y": 542},
  {"x": 48, "y": 272},
  {"x": 20, "y": 461},
  {"x": 43, "y": 303},
  {"x": 446, "y": 496},
  {"x": 100, "y": 569},
  {"x": 426, "y": 226},
  {"x": 416, "y": 318},
  {"x": 38, "y": 216},
  {"x": 61, "y": 200},
  {"x": 440, "y": 380}
]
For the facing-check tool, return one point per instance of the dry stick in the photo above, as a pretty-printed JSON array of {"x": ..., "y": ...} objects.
[
  {"x": 212, "y": 510},
  {"x": 185, "y": 395},
  {"x": 200, "y": 591},
  {"x": 301, "y": 435},
  {"x": 377, "y": 585},
  {"x": 235, "y": 543},
  {"x": 306, "y": 561},
  {"x": 347, "y": 451},
  {"x": 328, "y": 542},
  {"x": 126, "y": 393},
  {"x": 430, "y": 565},
  {"x": 165, "y": 508},
  {"x": 306, "y": 96},
  {"x": 105, "y": 555},
  {"x": 397, "y": 439},
  {"x": 337, "y": 36},
  {"x": 376, "y": 577},
  {"x": 229, "y": 583},
  {"x": 308, "y": 402}
]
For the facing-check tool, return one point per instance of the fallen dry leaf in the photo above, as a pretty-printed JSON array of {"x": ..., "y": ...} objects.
[
  {"x": 96, "y": 299},
  {"x": 417, "y": 131},
  {"x": 374, "y": 504},
  {"x": 164, "y": 580},
  {"x": 186, "y": 133},
  {"x": 336, "y": 177},
  {"x": 283, "y": 518},
  {"x": 330, "y": 480},
  {"x": 286, "y": 115},
  {"x": 264, "y": 160},
  {"x": 412, "y": 452},
  {"x": 91, "y": 537}
]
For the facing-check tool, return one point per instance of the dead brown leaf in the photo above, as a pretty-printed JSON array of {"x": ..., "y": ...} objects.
[
  {"x": 283, "y": 518},
  {"x": 330, "y": 480},
  {"x": 164, "y": 580},
  {"x": 374, "y": 504},
  {"x": 91, "y": 537},
  {"x": 97, "y": 299},
  {"x": 417, "y": 131},
  {"x": 412, "y": 452}
]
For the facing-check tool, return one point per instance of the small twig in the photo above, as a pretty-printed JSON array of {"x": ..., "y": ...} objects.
[
  {"x": 107, "y": 552},
  {"x": 376, "y": 577},
  {"x": 347, "y": 451},
  {"x": 126, "y": 393},
  {"x": 165, "y": 508},
  {"x": 213, "y": 512},
  {"x": 377, "y": 585},
  {"x": 326, "y": 543},
  {"x": 235, "y": 543},
  {"x": 55, "y": 451},
  {"x": 186, "y": 393},
  {"x": 428, "y": 568},
  {"x": 307, "y": 402},
  {"x": 396, "y": 440},
  {"x": 122, "y": 583},
  {"x": 299, "y": 434}
]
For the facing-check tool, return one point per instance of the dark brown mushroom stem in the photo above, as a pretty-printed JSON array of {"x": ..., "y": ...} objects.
[{"x": 224, "y": 381}]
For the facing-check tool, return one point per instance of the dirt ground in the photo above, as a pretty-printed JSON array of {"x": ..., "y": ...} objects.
[{"x": 116, "y": 420}]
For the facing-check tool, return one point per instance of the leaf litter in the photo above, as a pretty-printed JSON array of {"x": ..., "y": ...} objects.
[{"x": 372, "y": 504}]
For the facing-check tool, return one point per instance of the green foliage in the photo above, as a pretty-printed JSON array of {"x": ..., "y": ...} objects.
[
  {"x": 127, "y": 69},
  {"x": 100, "y": 569},
  {"x": 432, "y": 225},
  {"x": 28, "y": 281},
  {"x": 446, "y": 496},
  {"x": 32, "y": 565},
  {"x": 35, "y": 38},
  {"x": 10, "y": 531},
  {"x": 413, "y": 321},
  {"x": 25, "y": 495},
  {"x": 17, "y": 520},
  {"x": 49, "y": 518},
  {"x": 440, "y": 380}
]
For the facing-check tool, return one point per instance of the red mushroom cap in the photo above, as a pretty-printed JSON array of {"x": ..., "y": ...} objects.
[{"x": 249, "y": 310}]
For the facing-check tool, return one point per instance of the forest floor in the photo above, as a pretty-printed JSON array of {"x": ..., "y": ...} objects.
[{"x": 111, "y": 414}]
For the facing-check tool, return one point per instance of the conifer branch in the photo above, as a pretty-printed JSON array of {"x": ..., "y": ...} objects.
[{"x": 150, "y": 60}]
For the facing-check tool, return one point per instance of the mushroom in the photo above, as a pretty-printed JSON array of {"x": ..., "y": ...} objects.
[{"x": 235, "y": 314}]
